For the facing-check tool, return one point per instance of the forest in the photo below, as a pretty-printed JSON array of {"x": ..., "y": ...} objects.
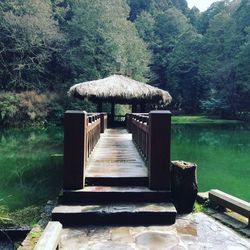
[{"x": 201, "y": 58}]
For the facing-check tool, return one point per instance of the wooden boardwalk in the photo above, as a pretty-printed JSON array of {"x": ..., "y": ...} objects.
[
  {"x": 106, "y": 181},
  {"x": 109, "y": 192},
  {"x": 115, "y": 155}
]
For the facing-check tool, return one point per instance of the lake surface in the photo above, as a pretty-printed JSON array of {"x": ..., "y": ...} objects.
[
  {"x": 30, "y": 166},
  {"x": 222, "y": 153},
  {"x": 31, "y": 161}
]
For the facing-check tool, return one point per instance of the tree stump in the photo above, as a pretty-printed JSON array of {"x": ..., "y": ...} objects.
[{"x": 184, "y": 186}]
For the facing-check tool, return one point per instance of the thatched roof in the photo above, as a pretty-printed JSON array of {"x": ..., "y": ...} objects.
[{"x": 120, "y": 89}]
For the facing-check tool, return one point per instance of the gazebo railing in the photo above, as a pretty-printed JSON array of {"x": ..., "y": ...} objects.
[
  {"x": 93, "y": 132},
  {"x": 138, "y": 126},
  {"x": 81, "y": 134},
  {"x": 119, "y": 118},
  {"x": 152, "y": 134}
]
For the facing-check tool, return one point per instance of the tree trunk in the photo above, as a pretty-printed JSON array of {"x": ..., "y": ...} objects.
[{"x": 184, "y": 185}]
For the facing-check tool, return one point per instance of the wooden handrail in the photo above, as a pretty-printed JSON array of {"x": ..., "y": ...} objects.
[
  {"x": 81, "y": 134},
  {"x": 104, "y": 122},
  {"x": 50, "y": 239},
  {"x": 152, "y": 134},
  {"x": 228, "y": 201},
  {"x": 139, "y": 130},
  {"x": 120, "y": 118},
  {"x": 93, "y": 132}
]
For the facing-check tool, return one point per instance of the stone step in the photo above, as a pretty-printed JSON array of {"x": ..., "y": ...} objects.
[
  {"x": 117, "y": 181},
  {"x": 116, "y": 214},
  {"x": 108, "y": 194}
]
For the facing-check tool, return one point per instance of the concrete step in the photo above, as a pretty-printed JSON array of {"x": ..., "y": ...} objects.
[
  {"x": 107, "y": 194},
  {"x": 116, "y": 214},
  {"x": 116, "y": 181}
]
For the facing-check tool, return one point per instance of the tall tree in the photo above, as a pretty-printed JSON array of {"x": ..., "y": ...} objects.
[
  {"x": 29, "y": 37},
  {"x": 102, "y": 40}
]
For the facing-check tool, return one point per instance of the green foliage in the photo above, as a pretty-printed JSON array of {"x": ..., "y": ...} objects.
[
  {"x": 104, "y": 41},
  {"x": 198, "y": 207},
  {"x": 8, "y": 107},
  {"x": 224, "y": 59},
  {"x": 175, "y": 47},
  {"x": 5, "y": 216},
  {"x": 46, "y": 46},
  {"x": 29, "y": 39},
  {"x": 201, "y": 119},
  {"x": 31, "y": 108},
  {"x": 26, "y": 216},
  {"x": 26, "y": 107},
  {"x": 201, "y": 58}
]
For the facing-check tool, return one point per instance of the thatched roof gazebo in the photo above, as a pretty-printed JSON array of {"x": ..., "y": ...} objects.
[{"x": 121, "y": 90}]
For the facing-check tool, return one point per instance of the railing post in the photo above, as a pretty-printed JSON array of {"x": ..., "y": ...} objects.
[
  {"x": 102, "y": 116},
  {"x": 159, "y": 150},
  {"x": 75, "y": 148},
  {"x": 128, "y": 122}
]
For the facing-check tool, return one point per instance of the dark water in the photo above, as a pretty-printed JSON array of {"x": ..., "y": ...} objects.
[
  {"x": 31, "y": 161},
  {"x": 30, "y": 166},
  {"x": 222, "y": 153}
]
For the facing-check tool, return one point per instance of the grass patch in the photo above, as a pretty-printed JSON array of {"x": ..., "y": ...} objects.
[
  {"x": 198, "y": 207},
  {"x": 201, "y": 119},
  {"x": 5, "y": 218},
  {"x": 26, "y": 216}
]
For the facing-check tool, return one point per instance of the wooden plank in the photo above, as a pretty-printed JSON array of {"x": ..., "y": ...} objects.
[
  {"x": 50, "y": 238},
  {"x": 228, "y": 201},
  {"x": 115, "y": 155},
  {"x": 117, "y": 181}
]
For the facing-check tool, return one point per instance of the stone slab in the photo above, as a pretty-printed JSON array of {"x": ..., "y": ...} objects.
[
  {"x": 194, "y": 231},
  {"x": 108, "y": 194},
  {"x": 118, "y": 213}
]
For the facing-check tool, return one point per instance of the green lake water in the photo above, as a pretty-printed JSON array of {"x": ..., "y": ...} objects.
[
  {"x": 30, "y": 166},
  {"x": 222, "y": 153},
  {"x": 31, "y": 161}
]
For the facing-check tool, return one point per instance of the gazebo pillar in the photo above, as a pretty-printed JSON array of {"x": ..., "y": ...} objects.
[
  {"x": 143, "y": 107},
  {"x": 112, "y": 113},
  {"x": 99, "y": 107},
  {"x": 134, "y": 108}
]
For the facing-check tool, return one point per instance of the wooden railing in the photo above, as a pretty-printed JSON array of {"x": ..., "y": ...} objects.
[
  {"x": 93, "y": 132},
  {"x": 104, "y": 122},
  {"x": 119, "y": 118},
  {"x": 50, "y": 239},
  {"x": 137, "y": 124},
  {"x": 81, "y": 134},
  {"x": 228, "y": 201},
  {"x": 152, "y": 134}
]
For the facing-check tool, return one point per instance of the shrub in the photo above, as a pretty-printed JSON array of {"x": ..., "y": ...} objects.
[
  {"x": 8, "y": 108},
  {"x": 31, "y": 108}
]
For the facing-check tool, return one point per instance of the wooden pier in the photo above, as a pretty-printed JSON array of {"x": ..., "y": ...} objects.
[
  {"x": 116, "y": 176},
  {"x": 117, "y": 190}
]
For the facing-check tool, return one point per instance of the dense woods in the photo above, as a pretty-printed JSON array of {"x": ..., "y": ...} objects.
[{"x": 201, "y": 58}]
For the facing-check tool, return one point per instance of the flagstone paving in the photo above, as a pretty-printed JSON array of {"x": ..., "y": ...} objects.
[{"x": 191, "y": 232}]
